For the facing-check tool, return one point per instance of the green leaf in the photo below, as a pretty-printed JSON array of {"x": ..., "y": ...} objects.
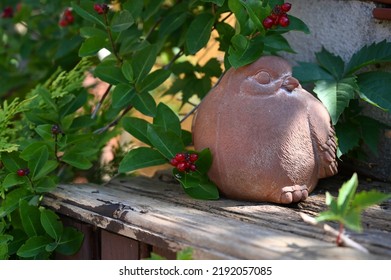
[
  {"x": 171, "y": 23},
  {"x": 109, "y": 72},
  {"x": 145, "y": 103},
  {"x": 275, "y": 43},
  {"x": 12, "y": 161},
  {"x": 137, "y": 128},
  {"x": 45, "y": 131},
  {"x": 330, "y": 62},
  {"x": 212, "y": 68},
  {"x": 30, "y": 216},
  {"x": 348, "y": 137},
  {"x": 44, "y": 185},
  {"x": 346, "y": 194},
  {"x": 70, "y": 242},
  {"x": 48, "y": 167},
  {"x": 153, "y": 80},
  {"x": 197, "y": 185},
  {"x": 140, "y": 158},
  {"x": 199, "y": 32},
  {"x": 310, "y": 72},
  {"x": 86, "y": 11},
  {"x": 51, "y": 223},
  {"x": 151, "y": 7},
  {"x": 127, "y": 71},
  {"x": 295, "y": 24},
  {"x": 185, "y": 254},
  {"x": 374, "y": 53},
  {"x": 12, "y": 179},
  {"x": 143, "y": 62},
  {"x": 166, "y": 142},
  {"x": 370, "y": 132},
  {"x": 122, "y": 20},
  {"x": 244, "y": 51},
  {"x": 254, "y": 10},
  {"x": 33, "y": 246},
  {"x": 327, "y": 216},
  {"x": 332, "y": 203},
  {"x": 135, "y": 7},
  {"x": 19, "y": 238},
  {"x": 11, "y": 201},
  {"x": 336, "y": 95},
  {"x": 352, "y": 220},
  {"x": 29, "y": 152},
  {"x": 204, "y": 161},
  {"x": 375, "y": 88},
  {"x": 217, "y": 2},
  {"x": 76, "y": 160},
  {"x": 89, "y": 31},
  {"x": 167, "y": 119},
  {"x": 38, "y": 161},
  {"x": 366, "y": 199},
  {"x": 91, "y": 46},
  {"x": 123, "y": 95}
]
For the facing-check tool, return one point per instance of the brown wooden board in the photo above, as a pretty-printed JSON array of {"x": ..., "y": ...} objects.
[{"x": 157, "y": 212}]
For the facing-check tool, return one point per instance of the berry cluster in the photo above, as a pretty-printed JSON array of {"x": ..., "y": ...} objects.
[
  {"x": 278, "y": 16},
  {"x": 184, "y": 162},
  {"x": 56, "y": 130},
  {"x": 101, "y": 8},
  {"x": 23, "y": 172},
  {"x": 8, "y": 12},
  {"x": 67, "y": 18}
]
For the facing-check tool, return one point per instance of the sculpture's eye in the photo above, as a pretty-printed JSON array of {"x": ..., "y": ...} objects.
[{"x": 262, "y": 77}]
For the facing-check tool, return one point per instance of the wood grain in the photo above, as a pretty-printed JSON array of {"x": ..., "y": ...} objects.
[{"x": 157, "y": 212}]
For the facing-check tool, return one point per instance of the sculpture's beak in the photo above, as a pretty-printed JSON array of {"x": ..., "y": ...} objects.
[{"x": 290, "y": 83}]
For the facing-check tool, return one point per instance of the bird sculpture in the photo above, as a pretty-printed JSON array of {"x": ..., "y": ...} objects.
[{"x": 271, "y": 140}]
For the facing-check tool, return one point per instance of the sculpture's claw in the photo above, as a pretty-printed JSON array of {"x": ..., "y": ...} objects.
[{"x": 292, "y": 194}]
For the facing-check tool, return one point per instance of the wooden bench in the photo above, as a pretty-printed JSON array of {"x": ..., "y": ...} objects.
[{"x": 130, "y": 218}]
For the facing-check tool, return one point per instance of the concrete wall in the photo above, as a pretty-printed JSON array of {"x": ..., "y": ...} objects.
[{"x": 343, "y": 27}]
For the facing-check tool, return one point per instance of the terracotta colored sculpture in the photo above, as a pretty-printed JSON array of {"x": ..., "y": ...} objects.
[{"x": 270, "y": 139}]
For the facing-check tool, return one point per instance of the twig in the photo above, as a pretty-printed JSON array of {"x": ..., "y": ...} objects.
[
  {"x": 97, "y": 107},
  {"x": 114, "y": 122},
  {"x": 345, "y": 240}
]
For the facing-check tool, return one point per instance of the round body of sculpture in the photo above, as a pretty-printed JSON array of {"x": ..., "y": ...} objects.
[{"x": 270, "y": 139}]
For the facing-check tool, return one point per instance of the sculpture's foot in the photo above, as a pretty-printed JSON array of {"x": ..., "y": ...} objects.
[{"x": 293, "y": 194}]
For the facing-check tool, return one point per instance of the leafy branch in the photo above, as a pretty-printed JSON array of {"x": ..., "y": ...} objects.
[{"x": 341, "y": 85}]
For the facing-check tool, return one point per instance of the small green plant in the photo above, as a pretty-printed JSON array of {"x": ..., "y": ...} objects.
[
  {"x": 341, "y": 85},
  {"x": 184, "y": 254},
  {"x": 346, "y": 209}
]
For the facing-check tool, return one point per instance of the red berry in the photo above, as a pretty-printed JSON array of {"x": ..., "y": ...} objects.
[
  {"x": 193, "y": 167},
  {"x": 8, "y": 12},
  {"x": 286, "y": 7},
  {"x": 193, "y": 157},
  {"x": 268, "y": 23},
  {"x": 180, "y": 157},
  {"x": 23, "y": 172},
  {"x": 182, "y": 166},
  {"x": 101, "y": 8},
  {"x": 63, "y": 23},
  {"x": 283, "y": 21},
  {"x": 174, "y": 162}
]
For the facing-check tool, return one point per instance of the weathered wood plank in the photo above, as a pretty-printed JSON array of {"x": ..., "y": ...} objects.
[{"x": 157, "y": 212}]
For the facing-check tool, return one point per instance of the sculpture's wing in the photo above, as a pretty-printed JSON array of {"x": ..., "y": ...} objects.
[{"x": 323, "y": 139}]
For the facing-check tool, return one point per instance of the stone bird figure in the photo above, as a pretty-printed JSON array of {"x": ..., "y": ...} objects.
[{"x": 270, "y": 139}]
